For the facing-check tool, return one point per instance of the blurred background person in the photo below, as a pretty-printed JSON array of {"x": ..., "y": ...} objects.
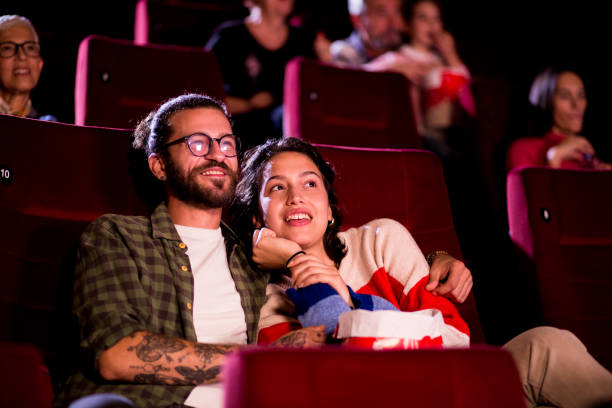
[
  {"x": 560, "y": 101},
  {"x": 20, "y": 66},
  {"x": 442, "y": 93},
  {"x": 376, "y": 39},
  {"x": 252, "y": 54}
]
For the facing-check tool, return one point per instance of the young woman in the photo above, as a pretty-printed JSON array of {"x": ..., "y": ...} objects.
[
  {"x": 561, "y": 100},
  {"x": 445, "y": 87},
  {"x": 286, "y": 193}
]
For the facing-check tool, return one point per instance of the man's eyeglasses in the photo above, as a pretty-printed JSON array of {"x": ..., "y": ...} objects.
[
  {"x": 10, "y": 49},
  {"x": 199, "y": 144}
]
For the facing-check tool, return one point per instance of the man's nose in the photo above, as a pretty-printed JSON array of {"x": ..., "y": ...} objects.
[{"x": 214, "y": 152}]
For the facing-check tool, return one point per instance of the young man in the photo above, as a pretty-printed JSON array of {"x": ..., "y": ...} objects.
[{"x": 161, "y": 300}]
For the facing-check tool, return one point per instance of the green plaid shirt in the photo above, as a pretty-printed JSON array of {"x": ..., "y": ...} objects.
[{"x": 133, "y": 274}]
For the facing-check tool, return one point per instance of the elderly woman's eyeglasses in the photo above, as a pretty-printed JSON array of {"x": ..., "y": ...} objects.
[
  {"x": 10, "y": 49},
  {"x": 199, "y": 144}
]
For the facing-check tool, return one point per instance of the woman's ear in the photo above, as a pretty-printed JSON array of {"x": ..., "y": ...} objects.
[
  {"x": 157, "y": 167},
  {"x": 256, "y": 222},
  {"x": 330, "y": 214}
]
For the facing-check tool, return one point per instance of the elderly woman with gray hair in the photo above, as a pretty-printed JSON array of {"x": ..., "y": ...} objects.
[{"x": 20, "y": 66}]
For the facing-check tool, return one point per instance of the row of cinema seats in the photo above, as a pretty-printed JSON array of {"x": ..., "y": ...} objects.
[
  {"x": 63, "y": 176},
  {"x": 116, "y": 92}
]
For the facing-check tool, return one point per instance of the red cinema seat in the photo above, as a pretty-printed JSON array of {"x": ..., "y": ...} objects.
[
  {"x": 325, "y": 104},
  {"x": 24, "y": 379},
  {"x": 561, "y": 226},
  {"x": 118, "y": 83},
  {"x": 182, "y": 22},
  {"x": 407, "y": 186},
  {"x": 54, "y": 179},
  {"x": 65, "y": 171},
  {"x": 334, "y": 377}
]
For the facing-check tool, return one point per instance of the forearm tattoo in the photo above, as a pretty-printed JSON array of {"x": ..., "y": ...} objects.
[
  {"x": 153, "y": 347},
  {"x": 293, "y": 339}
]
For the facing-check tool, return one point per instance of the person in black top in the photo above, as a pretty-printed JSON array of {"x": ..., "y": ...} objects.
[{"x": 252, "y": 54}]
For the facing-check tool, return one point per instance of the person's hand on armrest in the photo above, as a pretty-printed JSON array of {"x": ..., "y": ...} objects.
[
  {"x": 394, "y": 61},
  {"x": 449, "y": 277},
  {"x": 260, "y": 100}
]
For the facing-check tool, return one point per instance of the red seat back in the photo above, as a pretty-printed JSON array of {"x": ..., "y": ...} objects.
[
  {"x": 118, "y": 83},
  {"x": 24, "y": 379},
  {"x": 339, "y": 106},
  {"x": 561, "y": 225},
  {"x": 407, "y": 186},
  {"x": 60, "y": 178},
  {"x": 66, "y": 171},
  {"x": 336, "y": 377}
]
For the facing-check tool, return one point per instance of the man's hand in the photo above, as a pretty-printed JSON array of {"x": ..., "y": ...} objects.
[
  {"x": 307, "y": 337},
  {"x": 271, "y": 252},
  {"x": 449, "y": 277},
  {"x": 396, "y": 62}
]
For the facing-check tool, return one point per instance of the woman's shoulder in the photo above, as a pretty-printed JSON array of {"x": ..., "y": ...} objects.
[
  {"x": 379, "y": 227},
  {"x": 228, "y": 31},
  {"x": 231, "y": 26}
]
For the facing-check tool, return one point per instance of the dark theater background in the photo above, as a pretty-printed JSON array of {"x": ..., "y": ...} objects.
[{"x": 504, "y": 44}]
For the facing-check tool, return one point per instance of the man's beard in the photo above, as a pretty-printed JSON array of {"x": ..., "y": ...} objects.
[
  {"x": 389, "y": 41},
  {"x": 187, "y": 189}
]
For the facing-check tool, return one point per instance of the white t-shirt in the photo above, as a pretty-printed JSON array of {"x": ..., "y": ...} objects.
[{"x": 218, "y": 316}]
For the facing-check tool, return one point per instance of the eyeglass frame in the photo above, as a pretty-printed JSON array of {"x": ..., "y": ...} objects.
[
  {"x": 210, "y": 143},
  {"x": 22, "y": 46}
]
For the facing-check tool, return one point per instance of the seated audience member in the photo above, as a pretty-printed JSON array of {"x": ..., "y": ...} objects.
[
  {"x": 560, "y": 99},
  {"x": 287, "y": 190},
  {"x": 252, "y": 54},
  {"x": 20, "y": 67},
  {"x": 443, "y": 89},
  {"x": 161, "y": 300}
]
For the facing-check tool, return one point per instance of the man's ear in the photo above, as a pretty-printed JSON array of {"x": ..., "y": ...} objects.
[{"x": 157, "y": 166}]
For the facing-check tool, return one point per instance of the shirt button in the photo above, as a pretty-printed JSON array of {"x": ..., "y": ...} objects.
[
  {"x": 182, "y": 245},
  {"x": 189, "y": 305},
  {"x": 184, "y": 268}
]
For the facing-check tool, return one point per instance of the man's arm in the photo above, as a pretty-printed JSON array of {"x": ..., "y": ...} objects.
[{"x": 149, "y": 358}]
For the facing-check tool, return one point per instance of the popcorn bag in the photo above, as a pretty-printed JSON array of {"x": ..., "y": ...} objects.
[{"x": 388, "y": 329}]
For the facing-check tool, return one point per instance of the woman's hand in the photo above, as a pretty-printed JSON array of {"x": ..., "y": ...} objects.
[
  {"x": 308, "y": 269},
  {"x": 571, "y": 148},
  {"x": 445, "y": 43},
  {"x": 261, "y": 100},
  {"x": 321, "y": 47},
  {"x": 271, "y": 252}
]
